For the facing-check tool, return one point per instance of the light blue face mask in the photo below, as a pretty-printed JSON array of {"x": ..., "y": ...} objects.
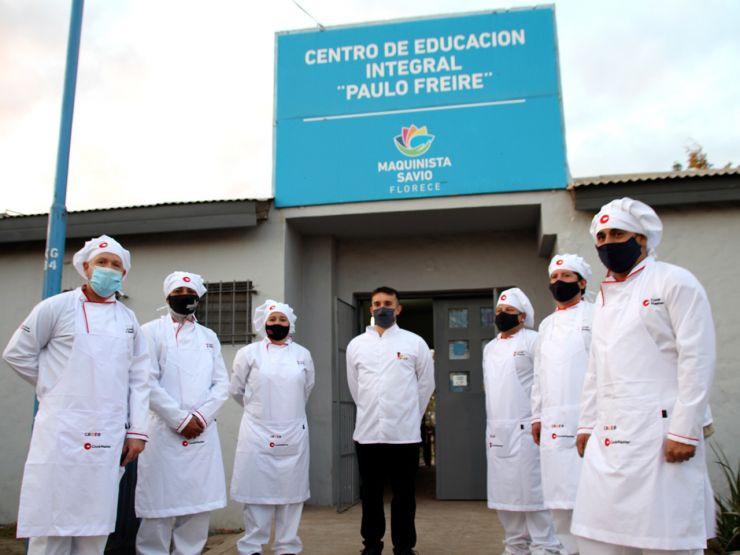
[{"x": 105, "y": 281}]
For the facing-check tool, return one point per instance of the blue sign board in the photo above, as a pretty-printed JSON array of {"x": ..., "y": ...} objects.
[{"x": 443, "y": 106}]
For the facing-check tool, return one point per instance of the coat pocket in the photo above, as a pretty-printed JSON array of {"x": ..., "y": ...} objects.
[
  {"x": 503, "y": 438},
  {"x": 559, "y": 427},
  {"x": 90, "y": 438},
  {"x": 279, "y": 439}
]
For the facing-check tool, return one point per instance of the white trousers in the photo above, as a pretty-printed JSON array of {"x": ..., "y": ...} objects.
[
  {"x": 67, "y": 545},
  {"x": 258, "y": 524},
  {"x": 593, "y": 547},
  {"x": 561, "y": 518},
  {"x": 528, "y": 532},
  {"x": 179, "y": 535}
]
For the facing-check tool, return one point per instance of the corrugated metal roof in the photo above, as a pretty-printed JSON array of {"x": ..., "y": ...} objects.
[
  {"x": 218, "y": 201},
  {"x": 650, "y": 176}
]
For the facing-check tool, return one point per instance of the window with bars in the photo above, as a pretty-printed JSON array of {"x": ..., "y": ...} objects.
[{"x": 227, "y": 310}]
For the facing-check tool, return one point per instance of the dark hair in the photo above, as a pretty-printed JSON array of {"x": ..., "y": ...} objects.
[
  {"x": 385, "y": 289},
  {"x": 580, "y": 277}
]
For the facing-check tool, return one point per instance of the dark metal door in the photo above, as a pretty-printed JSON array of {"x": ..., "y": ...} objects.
[
  {"x": 462, "y": 327},
  {"x": 346, "y": 473}
]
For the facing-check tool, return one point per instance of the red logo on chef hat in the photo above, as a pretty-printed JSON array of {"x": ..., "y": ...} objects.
[
  {"x": 88, "y": 446},
  {"x": 559, "y": 262},
  {"x": 185, "y": 443},
  {"x": 272, "y": 444},
  {"x": 646, "y": 302},
  {"x": 186, "y": 279},
  {"x": 554, "y": 435},
  {"x": 103, "y": 245},
  {"x": 604, "y": 218},
  {"x": 503, "y": 297},
  {"x": 607, "y": 442}
]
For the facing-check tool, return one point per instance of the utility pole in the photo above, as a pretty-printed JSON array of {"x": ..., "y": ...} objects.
[{"x": 56, "y": 233}]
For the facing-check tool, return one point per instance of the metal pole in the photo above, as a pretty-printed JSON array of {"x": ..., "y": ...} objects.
[{"x": 56, "y": 232}]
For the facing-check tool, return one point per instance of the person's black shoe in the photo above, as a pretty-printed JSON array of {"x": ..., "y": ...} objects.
[
  {"x": 372, "y": 551},
  {"x": 404, "y": 552}
]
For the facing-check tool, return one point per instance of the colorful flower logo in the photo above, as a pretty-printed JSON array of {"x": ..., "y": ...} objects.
[{"x": 413, "y": 141}]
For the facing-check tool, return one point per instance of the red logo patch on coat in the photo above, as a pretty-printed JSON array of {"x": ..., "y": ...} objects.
[
  {"x": 646, "y": 302},
  {"x": 272, "y": 444},
  {"x": 607, "y": 442},
  {"x": 604, "y": 218},
  {"x": 554, "y": 436},
  {"x": 185, "y": 443},
  {"x": 88, "y": 446}
]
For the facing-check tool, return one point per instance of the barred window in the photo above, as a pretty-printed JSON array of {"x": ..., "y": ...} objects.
[{"x": 227, "y": 310}]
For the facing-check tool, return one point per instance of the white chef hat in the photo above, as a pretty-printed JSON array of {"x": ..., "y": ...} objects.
[
  {"x": 515, "y": 297},
  {"x": 571, "y": 262},
  {"x": 262, "y": 313},
  {"x": 184, "y": 279},
  {"x": 96, "y": 246},
  {"x": 630, "y": 215}
]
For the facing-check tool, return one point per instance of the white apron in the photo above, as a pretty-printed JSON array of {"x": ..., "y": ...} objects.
[
  {"x": 271, "y": 463},
  {"x": 628, "y": 494},
  {"x": 179, "y": 476},
  {"x": 563, "y": 362},
  {"x": 512, "y": 455},
  {"x": 70, "y": 481}
]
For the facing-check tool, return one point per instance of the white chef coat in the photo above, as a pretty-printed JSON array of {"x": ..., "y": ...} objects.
[
  {"x": 650, "y": 372},
  {"x": 391, "y": 379},
  {"x": 512, "y": 456},
  {"x": 561, "y": 359},
  {"x": 90, "y": 365},
  {"x": 272, "y": 382},
  {"x": 179, "y": 476}
]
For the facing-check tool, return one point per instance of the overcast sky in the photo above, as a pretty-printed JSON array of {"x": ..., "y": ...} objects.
[{"x": 174, "y": 97}]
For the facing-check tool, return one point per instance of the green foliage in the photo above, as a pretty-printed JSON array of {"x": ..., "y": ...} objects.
[{"x": 727, "y": 507}]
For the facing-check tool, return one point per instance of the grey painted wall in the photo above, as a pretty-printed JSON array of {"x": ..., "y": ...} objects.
[
  {"x": 316, "y": 334},
  {"x": 21, "y": 274},
  {"x": 444, "y": 263}
]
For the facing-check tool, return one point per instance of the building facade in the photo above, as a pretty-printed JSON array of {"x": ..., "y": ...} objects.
[{"x": 447, "y": 256}]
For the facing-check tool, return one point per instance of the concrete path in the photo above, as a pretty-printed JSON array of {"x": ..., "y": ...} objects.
[{"x": 442, "y": 528}]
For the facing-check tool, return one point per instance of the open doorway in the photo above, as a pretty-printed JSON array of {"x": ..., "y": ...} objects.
[
  {"x": 456, "y": 326},
  {"x": 417, "y": 316}
]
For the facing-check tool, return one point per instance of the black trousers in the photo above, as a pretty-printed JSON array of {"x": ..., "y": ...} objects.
[{"x": 397, "y": 464}]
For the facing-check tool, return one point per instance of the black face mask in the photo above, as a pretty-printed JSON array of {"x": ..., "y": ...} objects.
[
  {"x": 277, "y": 332},
  {"x": 183, "y": 304},
  {"x": 384, "y": 317},
  {"x": 620, "y": 257},
  {"x": 505, "y": 321},
  {"x": 564, "y": 290}
]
